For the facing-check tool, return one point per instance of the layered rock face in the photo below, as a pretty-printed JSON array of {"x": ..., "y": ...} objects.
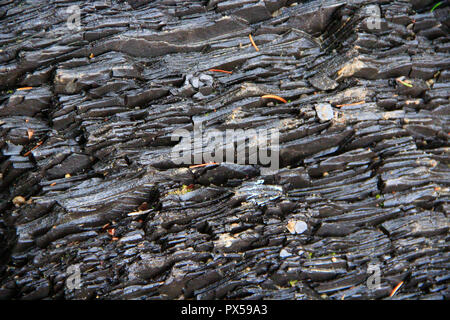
[{"x": 93, "y": 92}]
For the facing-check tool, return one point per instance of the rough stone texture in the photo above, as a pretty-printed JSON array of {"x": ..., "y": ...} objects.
[{"x": 88, "y": 148}]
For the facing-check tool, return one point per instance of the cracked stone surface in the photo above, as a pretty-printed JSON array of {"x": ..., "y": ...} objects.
[{"x": 87, "y": 178}]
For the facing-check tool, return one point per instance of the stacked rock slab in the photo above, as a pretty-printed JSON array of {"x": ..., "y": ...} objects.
[{"x": 87, "y": 113}]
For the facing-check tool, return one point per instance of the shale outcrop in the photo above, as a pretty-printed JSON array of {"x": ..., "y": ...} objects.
[{"x": 93, "y": 91}]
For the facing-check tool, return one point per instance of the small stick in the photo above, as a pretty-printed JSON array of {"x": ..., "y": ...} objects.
[
  {"x": 136, "y": 213},
  {"x": 37, "y": 145},
  {"x": 105, "y": 226},
  {"x": 24, "y": 88}
]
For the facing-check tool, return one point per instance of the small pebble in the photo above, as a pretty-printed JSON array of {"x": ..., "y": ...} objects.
[
  {"x": 18, "y": 201},
  {"x": 324, "y": 112},
  {"x": 284, "y": 253}
]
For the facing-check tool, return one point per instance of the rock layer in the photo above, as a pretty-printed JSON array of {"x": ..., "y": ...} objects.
[{"x": 87, "y": 117}]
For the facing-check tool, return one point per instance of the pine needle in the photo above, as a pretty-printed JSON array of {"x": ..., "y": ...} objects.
[
  {"x": 350, "y": 104},
  {"x": 272, "y": 96},
  {"x": 220, "y": 70},
  {"x": 397, "y": 287},
  {"x": 435, "y": 6},
  {"x": 202, "y": 165},
  {"x": 253, "y": 42}
]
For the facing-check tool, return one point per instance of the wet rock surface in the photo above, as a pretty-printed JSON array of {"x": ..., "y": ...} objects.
[{"x": 87, "y": 179}]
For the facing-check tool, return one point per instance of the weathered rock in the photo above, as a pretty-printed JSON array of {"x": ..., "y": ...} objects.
[{"x": 88, "y": 177}]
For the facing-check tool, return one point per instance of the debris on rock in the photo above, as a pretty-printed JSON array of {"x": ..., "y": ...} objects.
[
  {"x": 297, "y": 227},
  {"x": 324, "y": 112},
  {"x": 357, "y": 93}
]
